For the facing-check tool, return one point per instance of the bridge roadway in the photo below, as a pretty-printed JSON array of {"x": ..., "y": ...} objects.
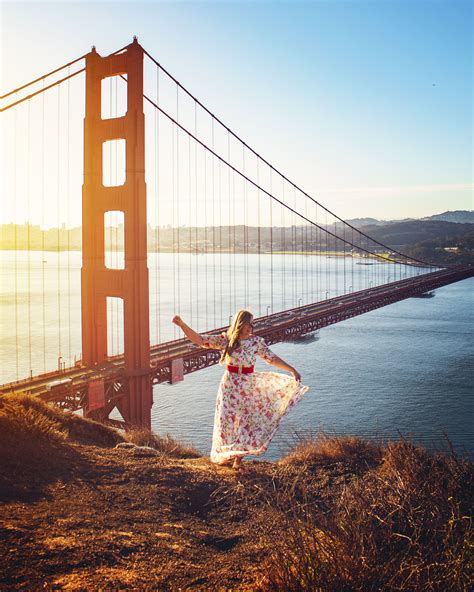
[{"x": 69, "y": 387}]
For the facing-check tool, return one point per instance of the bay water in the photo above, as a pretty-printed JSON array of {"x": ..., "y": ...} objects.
[{"x": 404, "y": 370}]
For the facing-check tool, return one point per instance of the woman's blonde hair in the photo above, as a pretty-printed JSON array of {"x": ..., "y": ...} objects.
[{"x": 241, "y": 317}]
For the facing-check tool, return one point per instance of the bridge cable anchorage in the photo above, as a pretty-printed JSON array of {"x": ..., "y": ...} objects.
[{"x": 424, "y": 263}]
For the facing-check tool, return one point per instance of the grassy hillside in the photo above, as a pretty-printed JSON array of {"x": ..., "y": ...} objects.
[
  {"x": 427, "y": 240},
  {"x": 85, "y": 507}
]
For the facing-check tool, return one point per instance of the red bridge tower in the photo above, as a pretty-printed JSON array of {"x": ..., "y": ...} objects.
[{"x": 130, "y": 283}]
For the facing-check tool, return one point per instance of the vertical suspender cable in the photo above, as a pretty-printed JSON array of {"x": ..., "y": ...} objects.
[
  {"x": 308, "y": 282},
  {"x": 15, "y": 238},
  {"x": 244, "y": 189},
  {"x": 43, "y": 230},
  {"x": 283, "y": 234},
  {"x": 221, "y": 318},
  {"x": 58, "y": 233},
  {"x": 173, "y": 230},
  {"x": 326, "y": 257},
  {"x": 316, "y": 255},
  {"x": 196, "y": 212},
  {"x": 190, "y": 234},
  {"x": 157, "y": 210},
  {"x": 111, "y": 303},
  {"x": 68, "y": 230},
  {"x": 259, "y": 245},
  {"x": 367, "y": 284},
  {"x": 309, "y": 264},
  {"x": 234, "y": 267},
  {"x": 271, "y": 243},
  {"x": 176, "y": 218},
  {"x": 205, "y": 240},
  {"x": 293, "y": 257},
  {"x": 213, "y": 226},
  {"x": 335, "y": 260},
  {"x": 229, "y": 226},
  {"x": 344, "y": 256},
  {"x": 118, "y": 316},
  {"x": 177, "y": 200},
  {"x": 352, "y": 261},
  {"x": 28, "y": 187}
]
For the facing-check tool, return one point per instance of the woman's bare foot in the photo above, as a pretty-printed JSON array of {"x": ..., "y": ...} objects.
[
  {"x": 226, "y": 463},
  {"x": 237, "y": 463}
]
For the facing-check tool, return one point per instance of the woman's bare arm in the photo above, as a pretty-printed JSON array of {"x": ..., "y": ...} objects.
[
  {"x": 279, "y": 363},
  {"x": 190, "y": 333}
]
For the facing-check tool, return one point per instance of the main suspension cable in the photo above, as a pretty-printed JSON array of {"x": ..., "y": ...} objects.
[
  {"x": 270, "y": 165},
  {"x": 246, "y": 178},
  {"x": 42, "y": 90}
]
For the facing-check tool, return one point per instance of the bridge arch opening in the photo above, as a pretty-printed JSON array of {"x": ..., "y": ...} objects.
[
  {"x": 113, "y": 163},
  {"x": 115, "y": 326},
  {"x": 113, "y": 96},
  {"x": 114, "y": 239}
]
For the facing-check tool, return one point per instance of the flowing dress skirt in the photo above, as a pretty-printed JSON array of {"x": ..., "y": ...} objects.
[{"x": 249, "y": 409}]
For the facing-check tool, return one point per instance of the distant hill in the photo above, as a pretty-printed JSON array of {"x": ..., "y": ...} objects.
[
  {"x": 359, "y": 222},
  {"x": 400, "y": 234},
  {"x": 428, "y": 240},
  {"x": 458, "y": 216}
]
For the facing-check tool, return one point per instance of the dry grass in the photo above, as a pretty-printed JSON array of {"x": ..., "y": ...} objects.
[
  {"x": 167, "y": 445},
  {"x": 404, "y": 525},
  {"x": 335, "y": 514},
  {"x": 24, "y": 414},
  {"x": 322, "y": 448},
  {"x": 37, "y": 444}
]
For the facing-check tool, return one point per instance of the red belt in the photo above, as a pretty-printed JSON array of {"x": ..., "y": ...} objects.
[{"x": 240, "y": 369}]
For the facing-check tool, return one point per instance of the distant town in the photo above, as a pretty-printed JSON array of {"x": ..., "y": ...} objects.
[
  {"x": 441, "y": 239},
  {"x": 185, "y": 239}
]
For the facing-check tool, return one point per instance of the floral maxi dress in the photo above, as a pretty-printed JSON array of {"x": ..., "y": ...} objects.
[{"x": 249, "y": 407}]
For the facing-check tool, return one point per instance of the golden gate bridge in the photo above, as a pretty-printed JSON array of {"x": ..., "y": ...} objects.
[{"x": 176, "y": 214}]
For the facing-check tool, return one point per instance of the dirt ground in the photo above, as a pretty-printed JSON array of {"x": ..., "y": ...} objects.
[{"x": 118, "y": 518}]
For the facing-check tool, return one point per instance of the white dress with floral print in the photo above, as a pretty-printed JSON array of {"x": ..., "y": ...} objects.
[{"x": 249, "y": 407}]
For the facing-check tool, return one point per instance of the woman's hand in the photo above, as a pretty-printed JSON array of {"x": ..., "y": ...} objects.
[
  {"x": 296, "y": 375},
  {"x": 177, "y": 320}
]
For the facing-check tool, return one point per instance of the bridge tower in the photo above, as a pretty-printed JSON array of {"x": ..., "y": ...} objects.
[{"x": 130, "y": 283}]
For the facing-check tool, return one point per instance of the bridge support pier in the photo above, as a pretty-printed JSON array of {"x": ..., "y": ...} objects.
[{"x": 97, "y": 281}]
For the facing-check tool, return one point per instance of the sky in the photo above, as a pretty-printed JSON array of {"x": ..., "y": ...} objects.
[{"x": 367, "y": 106}]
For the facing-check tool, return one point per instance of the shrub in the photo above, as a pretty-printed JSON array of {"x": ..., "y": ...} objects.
[
  {"x": 165, "y": 444},
  {"x": 324, "y": 448},
  {"x": 403, "y": 525}
]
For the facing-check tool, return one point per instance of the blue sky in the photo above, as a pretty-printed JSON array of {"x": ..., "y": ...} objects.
[{"x": 365, "y": 105}]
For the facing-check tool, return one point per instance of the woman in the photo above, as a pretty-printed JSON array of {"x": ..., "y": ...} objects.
[{"x": 249, "y": 404}]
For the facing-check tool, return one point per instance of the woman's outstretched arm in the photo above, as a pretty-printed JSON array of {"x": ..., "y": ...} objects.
[
  {"x": 192, "y": 335},
  {"x": 271, "y": 358},
  {"x": 279, "y": 363}
]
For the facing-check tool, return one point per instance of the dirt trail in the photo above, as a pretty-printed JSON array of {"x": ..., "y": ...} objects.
[{"x": 121, "y": 518}]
